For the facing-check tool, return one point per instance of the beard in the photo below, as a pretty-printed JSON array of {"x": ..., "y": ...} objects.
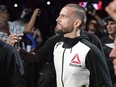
[{"x": 59, "y": 29}]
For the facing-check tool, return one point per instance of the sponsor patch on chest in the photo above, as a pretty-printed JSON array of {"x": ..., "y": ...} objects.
[{"x": 75, "y": 61}]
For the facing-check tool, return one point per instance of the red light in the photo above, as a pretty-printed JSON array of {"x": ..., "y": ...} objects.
[{"x": 97, "y": 6}]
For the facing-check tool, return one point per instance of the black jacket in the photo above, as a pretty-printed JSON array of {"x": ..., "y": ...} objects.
[
  {"x": 11, "y": 69},
  {"x": 94, "y": 60}
]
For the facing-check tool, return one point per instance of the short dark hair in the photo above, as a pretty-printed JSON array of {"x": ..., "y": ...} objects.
[
  {"x": 109, "y": 19},
  {"x": 2, "y": 8},
  {"x": 79, "y": 11},
  {"x": 4, "y": 24}
]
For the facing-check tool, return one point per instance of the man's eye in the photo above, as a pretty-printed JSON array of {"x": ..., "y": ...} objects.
[
  {"x": 113, "y": 23},
  {"x": 62, "y": 16}
]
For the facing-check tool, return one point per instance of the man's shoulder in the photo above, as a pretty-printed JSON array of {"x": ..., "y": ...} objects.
[
  {"x": 89, "y": 44},
  {"x": 89, "y": 35},
  {"x": 105, "y": 38},
  {"x": 2, "y": 44},
  {"x": 6, "y": 47},
  {"x": 55, "y": 38}
]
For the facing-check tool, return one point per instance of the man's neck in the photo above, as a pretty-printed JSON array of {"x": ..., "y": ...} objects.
[
  {"x": 73, "y": 34},
  {"x": 111, "y": 37}
]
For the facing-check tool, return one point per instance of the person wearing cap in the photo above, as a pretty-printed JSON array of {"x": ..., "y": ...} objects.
[{"x": 107, "y": 41}]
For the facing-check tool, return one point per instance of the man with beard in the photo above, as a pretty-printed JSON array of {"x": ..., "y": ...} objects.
[{"x": 77, "y": 62}]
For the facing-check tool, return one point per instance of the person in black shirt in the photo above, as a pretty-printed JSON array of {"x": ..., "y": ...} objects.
[
  {"x": 11, "y": 68},
  {"x": 11, "y": 73}
]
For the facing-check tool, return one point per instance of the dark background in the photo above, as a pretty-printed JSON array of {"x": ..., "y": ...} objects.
[{"x": 47, "y": 20}]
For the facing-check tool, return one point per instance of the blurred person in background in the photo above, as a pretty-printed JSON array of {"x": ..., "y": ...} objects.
[
  {"x": 111, "y": 10},
  {"x": 28, "y": 26},
  {"x": 94, "y": 23},
  {"x": 28, "y": 44},
  {"x": 37, "y": 37},
  {"x": 11, "y": 68},
  {"x": 5, "y": 34},
  {"x": 106, "y": 41}
]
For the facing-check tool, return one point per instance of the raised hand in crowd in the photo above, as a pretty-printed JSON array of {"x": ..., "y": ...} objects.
[
  {"x": 12, "y": 39},
  {"x": 29, "y": 26},
  {"x": 111, "y": 9}
]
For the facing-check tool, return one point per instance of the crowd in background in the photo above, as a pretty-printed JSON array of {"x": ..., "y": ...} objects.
[{"x": 23, "y": 35}]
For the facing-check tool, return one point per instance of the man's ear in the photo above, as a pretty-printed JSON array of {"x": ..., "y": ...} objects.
[{"x": 78, "y": 23}]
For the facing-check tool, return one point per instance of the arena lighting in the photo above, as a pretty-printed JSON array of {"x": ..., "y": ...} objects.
[
  {"x": 48, "y": 2},
  {"x": 97, "y": 6},
  {"x": 15, "y": 5}
]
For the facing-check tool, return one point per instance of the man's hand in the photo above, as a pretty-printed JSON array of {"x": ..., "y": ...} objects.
[
  {"x": 111, "y": 9},
  {"x": 37, "y": 12},
  {"x": 13, "y": 38}
]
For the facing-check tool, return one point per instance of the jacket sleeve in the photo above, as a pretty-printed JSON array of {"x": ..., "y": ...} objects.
[
  {"x": 15, "y": 69},
  {"x": 45, "y": 53},
  {"x": 99, "y": 73}
]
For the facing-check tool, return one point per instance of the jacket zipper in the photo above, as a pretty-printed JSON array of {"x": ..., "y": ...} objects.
[{"x": 62, "y": 68}]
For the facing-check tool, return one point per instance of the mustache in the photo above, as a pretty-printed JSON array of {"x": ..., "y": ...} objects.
[{"x": 59, "y": 24}]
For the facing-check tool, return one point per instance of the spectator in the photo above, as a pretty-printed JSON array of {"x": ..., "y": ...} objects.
[
  {"x": 28, "y": 27},
  {"x": 11, "y": 68},
  {"x": 106, "y": 41},
  {"x": 94, "y": 27},
  {"x": 5, "y": 35},
  {"x": 111, "y": 10}
]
